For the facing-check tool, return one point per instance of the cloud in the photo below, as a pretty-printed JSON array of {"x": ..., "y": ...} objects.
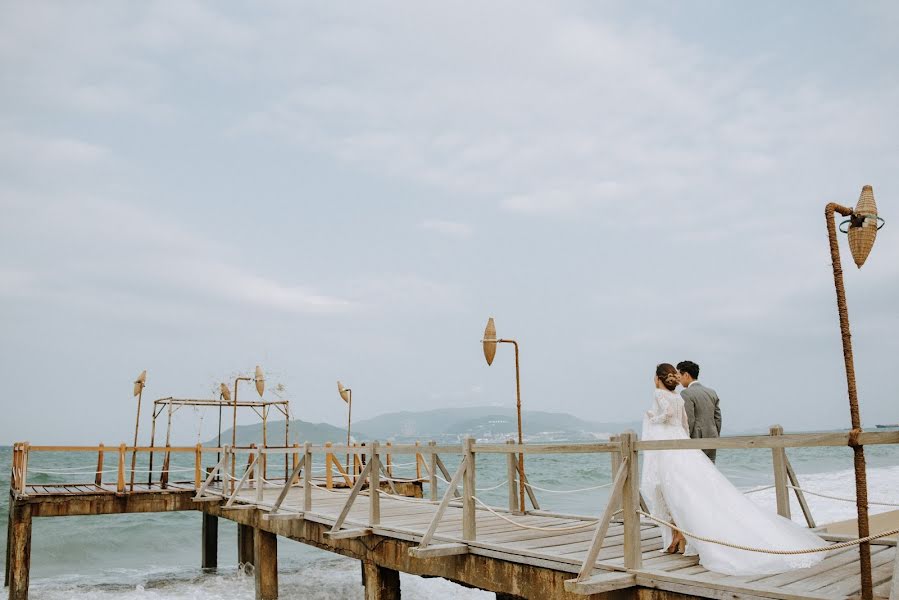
[{"x": 448, "y": 228}]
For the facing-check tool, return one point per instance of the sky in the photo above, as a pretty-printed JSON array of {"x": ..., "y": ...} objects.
[{"x": 348, "y": 191}]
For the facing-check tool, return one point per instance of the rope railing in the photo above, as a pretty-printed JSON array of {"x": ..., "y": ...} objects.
[
  {"x": 490, "y": 509},
  {"x": 828, "y": 548},
  {"x": 870, "y": 503},
  {"x": 575, "y": 491}
]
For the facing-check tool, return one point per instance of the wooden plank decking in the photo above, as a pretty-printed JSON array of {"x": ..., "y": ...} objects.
[{"x": 836, "y": 577}]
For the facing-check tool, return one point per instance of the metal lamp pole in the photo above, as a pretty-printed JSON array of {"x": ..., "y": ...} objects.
[
  {"x": 347, "y": 395},
  {"x": 490, "y": 341},
  {"x": 260, "y": 387},
  {"x": 139, "y": 384}
]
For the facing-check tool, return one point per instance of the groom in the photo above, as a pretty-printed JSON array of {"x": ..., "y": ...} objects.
[{"x": 701, "y": 404}]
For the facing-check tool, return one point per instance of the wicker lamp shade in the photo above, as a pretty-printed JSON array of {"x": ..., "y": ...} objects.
[
  {"x": 344, "y": 393},
  {"x": 489, "y": 341},
  {"x": 140, "y": 382},
  {"x": 226, "y": 393},
  {"x": 260, "y": 380},
  {"x": 863, "y": 229}
]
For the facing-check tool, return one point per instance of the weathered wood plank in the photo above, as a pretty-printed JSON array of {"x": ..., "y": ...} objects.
[
  {"x": 438, "y": 550},
  {"x": 696, "y": 586},
  {"x": 598, "y": 584},
  {"x": 346, "y": 534}
]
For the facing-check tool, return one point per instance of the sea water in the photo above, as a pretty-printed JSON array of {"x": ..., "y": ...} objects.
[{"x": 157, "y": 556}]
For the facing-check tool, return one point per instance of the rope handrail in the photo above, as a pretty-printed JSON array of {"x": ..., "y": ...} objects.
[
  {"x": 533, "y": 527},
  {"x": 838, "y": 497},
  {"x": 586, "y": 489},
  {"x": 759, "y": 489},
  {"x": 828, "y": 548},
  {"x": 495, "y": 487}
]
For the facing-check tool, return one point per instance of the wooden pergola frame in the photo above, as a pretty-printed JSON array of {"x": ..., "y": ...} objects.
[{"x": 262, "y": 409}]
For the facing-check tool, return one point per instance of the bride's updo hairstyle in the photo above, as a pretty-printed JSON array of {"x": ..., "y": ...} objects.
[{"x": 667, "y": 374}]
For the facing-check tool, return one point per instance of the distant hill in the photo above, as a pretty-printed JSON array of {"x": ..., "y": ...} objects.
[
  {"x": 486, "y": 422},
  {"x": 444, "y": 424},
  {"x": 299, "y": 432}
]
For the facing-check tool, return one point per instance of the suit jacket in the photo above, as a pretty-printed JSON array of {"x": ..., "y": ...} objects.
[{"x": 703, "y": 412}]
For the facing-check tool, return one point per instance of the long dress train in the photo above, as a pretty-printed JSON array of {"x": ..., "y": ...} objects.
[{"x": 685, "y": 487}]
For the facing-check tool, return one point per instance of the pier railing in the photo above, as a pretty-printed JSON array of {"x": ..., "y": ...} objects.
[{"x": 369, "y": 471}]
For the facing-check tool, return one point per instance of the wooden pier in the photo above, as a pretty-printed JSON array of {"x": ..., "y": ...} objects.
[{"x": 515, "y": 551}]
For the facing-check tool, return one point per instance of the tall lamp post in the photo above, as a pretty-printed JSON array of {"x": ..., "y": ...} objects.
[
  {"x": 224, "y": 395},
  {"x": 139, "y": 384},
  {"x": 861, "y": 226},
  {"x": 347, "y": 395},
  {"x": 489, "y": 341},
  {"x": 260, "y": 388}
]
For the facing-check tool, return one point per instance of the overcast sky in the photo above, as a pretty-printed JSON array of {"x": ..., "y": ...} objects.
[{"x": 350, "y": 190}]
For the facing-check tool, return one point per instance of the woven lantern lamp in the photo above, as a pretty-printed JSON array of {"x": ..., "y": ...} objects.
[
  {"x": 489, "y": 342},
  {"x": 139, "y": 384},
  {"x": 861, "y": 226},
  {"x": 346, "y": 395}
]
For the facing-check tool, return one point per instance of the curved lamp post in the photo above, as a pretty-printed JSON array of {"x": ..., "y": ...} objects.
[
  {"x": 861, "y": 226},
  {"x": 260, "y": 388},
  {"x": 139, "y": 384},
  {"x": 489, "y": 341},
  {"x": 347, "y": 395}
]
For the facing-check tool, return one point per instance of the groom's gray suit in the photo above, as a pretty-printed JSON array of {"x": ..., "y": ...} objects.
[{"x": 703, "y": 413}]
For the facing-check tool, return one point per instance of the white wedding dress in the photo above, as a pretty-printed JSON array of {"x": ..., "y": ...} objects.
[{"x": 684, "y": 487}]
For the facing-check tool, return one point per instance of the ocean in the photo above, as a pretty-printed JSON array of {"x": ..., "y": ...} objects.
[{"x": 157, "y": 556}]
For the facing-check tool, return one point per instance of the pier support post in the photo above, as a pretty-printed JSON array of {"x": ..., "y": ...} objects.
[
  {"x": 20, "y": 552},
  {"x": 380, "y": 583},
  {"x": 210, "y": 550},
  {"x": 245, "y": 535},
  {"x": 266, "y": 567},
  {"x": 9, "y": 520}
]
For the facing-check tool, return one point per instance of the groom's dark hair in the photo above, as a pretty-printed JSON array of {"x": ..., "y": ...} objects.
[{"x": 689, "y": 367}]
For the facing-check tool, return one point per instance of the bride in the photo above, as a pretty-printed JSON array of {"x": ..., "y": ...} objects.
[{"x": 684, "y": 487}]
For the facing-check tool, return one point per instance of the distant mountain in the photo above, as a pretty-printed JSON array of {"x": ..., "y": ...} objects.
[
  {"x": 299, "y": 432},
  {"x": 487, "y": 422},
  {"x": 444, "y": 425}
]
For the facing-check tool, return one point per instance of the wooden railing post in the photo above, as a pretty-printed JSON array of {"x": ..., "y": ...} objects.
[
  {"x": 120, "y": 481},
  {"x": 432, "y": 462},
  {"x": 23, "y": 468},
  {"x": 417, "y": 463},
  {"x": 253, "y": 465},
  {"x": 778, "y": 456},
  {"x": 616, "y": 460},
  {"x": 259, "y": 473},
  {"x": 512, "y": 469},
  {"x": 389, "y": 461},
  {"x": 329, "y": 481},
  {"x": 98, "y": 478},
  {"x": 307, "y": 480},
  {"x": 630, "y": 501},
  {"x": 295, "y": 461},
  {"x": 14, "y": 475},
  {"x": 198, "y": 466},
  {"x": 374, "y": 485},
  {"x": 226, "y": 469},
  {"x": 469, "y": 519},
  {"x": 166, "y": 465},
  {"x": 17, "y": 459}
]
